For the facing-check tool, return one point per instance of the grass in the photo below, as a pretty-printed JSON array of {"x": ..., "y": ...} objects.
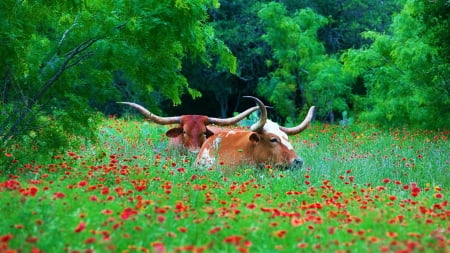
[{"x": 361, "y": 189}]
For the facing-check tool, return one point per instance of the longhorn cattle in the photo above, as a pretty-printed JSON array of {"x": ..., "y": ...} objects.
[
  {"x": 192, "y": 130},
  {"x": 265, "y": 144}
]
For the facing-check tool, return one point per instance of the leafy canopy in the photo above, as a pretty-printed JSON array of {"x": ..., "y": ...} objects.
[
  {"x": 67, "y": 55},
  {"x": 302, "y": 74},
  {"x": 406, "y": 72}
]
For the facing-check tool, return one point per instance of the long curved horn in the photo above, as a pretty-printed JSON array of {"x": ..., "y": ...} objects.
[
  {"x": 258, "y": 126},
  {"x": 155, "y": 118},
  {"x": 302, "y": 126},
  {"x": 233, "y": 120}
]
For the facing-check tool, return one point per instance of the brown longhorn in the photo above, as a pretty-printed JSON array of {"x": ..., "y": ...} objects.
[
  {"x": 192, "y": 130},
  {"x": 265, "y": 143}
]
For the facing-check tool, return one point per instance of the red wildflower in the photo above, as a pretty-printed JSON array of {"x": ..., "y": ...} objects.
[
  {"x": 31, "y": 239},
  {"x": 82, "y": 183},
  {"x": 182, "y": 229},
  {"x": 105, "y": 190},
  {"x": 127, "y": 213},
  {"x": 81, "y": 226},
  {"x": 59, "y": 195},
  {"x": 331, "y": 230},
  {"x": 251, "y": 206},
  {"x": 6, "y": 238},
  {"x": 161, "y": 218},
  {"x": 438, "y": 195},
  {"x": 415, "y": 191},
  {"x": 11, "y": 184},
  {"x": 386, "y": 180},
  {"x": 233, "y": 239},
  {"x": 295, "y": 222},
  {"x": 89, "y": 240},
  {"x": 302, "y": 245},
  {"x": 214, "y": 230},
  {"x": 391, "y": 234},
  {"x": 32, "y": 190},
  {"x": 158, "y": 247},
  {"x": 107, "y": 211},
  {"x": 280, "y": 233}
]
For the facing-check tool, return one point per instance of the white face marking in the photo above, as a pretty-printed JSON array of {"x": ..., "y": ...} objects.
[
  {"x": 230, "y": 132},
  {"x": 216, "y": 143},
  {"x": 206, "y": 159},
  {"x": 274, "y": 128}
]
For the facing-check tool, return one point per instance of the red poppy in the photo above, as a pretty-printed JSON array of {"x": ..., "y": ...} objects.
[
  {"x": 214, "y": 230},
  {"x": 233, "y": 239},
  {"x": 295, "y": 222},
  {"x": 59, "y": 195},
  {"x": 391, "y": 234},
  {"x": 438, "y": 195},
  {"x": 158, "y": 247},
  {"x": 6, "y": 238},
  {"x": 280, "y": 233},
  {"x": 161, "y": 218},
  {"x": 251, "y": 206},
  {"x": 302, "y": 245},
  {"x": 127, "y": 213},
  {"x": 81, "y": 226},
  {"x": 89, "y": 240}
]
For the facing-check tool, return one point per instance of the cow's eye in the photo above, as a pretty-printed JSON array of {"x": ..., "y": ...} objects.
[{"x": 273, "y": 139}]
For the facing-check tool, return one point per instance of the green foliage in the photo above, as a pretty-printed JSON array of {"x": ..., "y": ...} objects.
[
  {"x": 405, "y": 73},
  {"x": 59, "y": 59},
  {"x": 302, "y": 73},
  {"x": 362, "y": 189}
]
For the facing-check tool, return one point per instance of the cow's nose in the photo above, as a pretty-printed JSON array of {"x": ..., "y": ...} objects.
[{"x": 297, "y": 163}]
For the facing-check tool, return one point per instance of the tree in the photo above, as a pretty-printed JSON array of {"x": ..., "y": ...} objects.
[
  {"x": 406, "y": 73},
  {"x": 236, "y": 23},
  {"x": 65, "y": 55},
  {"x": 301, "y": 73}
]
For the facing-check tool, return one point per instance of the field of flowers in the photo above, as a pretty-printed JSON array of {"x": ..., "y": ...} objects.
[{"x": 361, "y": 190}]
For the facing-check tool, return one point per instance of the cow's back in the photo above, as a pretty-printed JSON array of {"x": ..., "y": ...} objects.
[{"x": 226, "y": 147}]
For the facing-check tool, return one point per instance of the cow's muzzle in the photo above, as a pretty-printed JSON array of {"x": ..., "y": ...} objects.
[{"x": 297, "y": 163}]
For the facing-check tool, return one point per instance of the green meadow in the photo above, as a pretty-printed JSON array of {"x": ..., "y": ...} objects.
[{"x": 361, "y": 189}]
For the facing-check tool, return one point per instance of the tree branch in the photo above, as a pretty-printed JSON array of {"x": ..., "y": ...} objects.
[{"x": 67, "y": 63}]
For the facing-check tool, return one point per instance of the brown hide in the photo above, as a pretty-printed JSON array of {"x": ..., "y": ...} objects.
[
  {"x": 191, "y": 133},
  {"x": 234, "y": 148}
]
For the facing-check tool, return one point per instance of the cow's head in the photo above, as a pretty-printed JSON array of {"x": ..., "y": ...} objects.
[
  {"x": 270, "y": 141},
  {"x": 192, "y": 130}
]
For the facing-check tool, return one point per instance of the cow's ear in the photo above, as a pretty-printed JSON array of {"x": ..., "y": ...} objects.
[
  {"x": 208, "y": 133},
  {"x": 254, "y": 138},
  {"x": 174, "y": 132}
]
